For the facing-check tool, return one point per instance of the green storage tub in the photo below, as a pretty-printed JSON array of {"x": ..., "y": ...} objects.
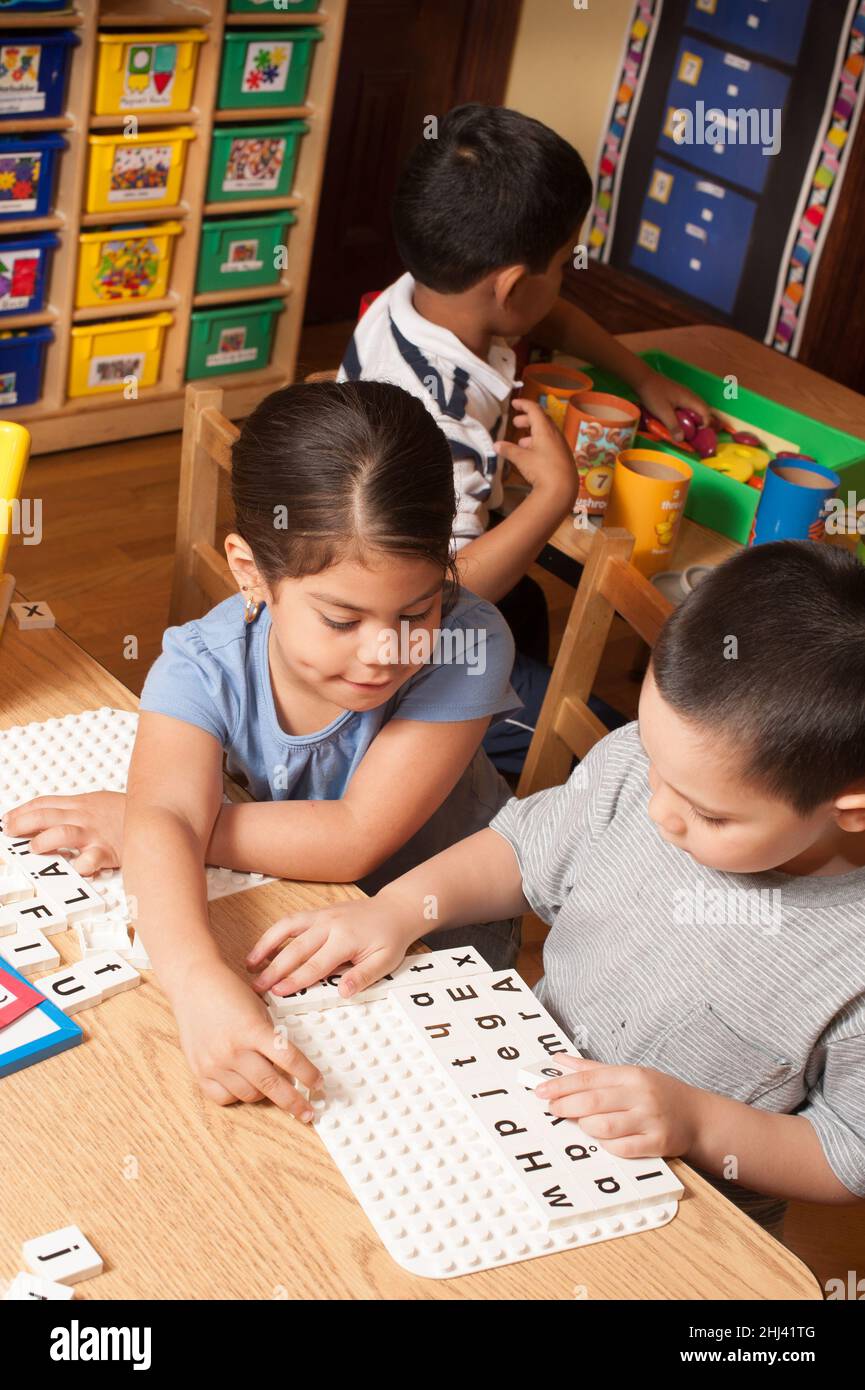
[
  {"x": 232, "y": 338},
  {"x": 237, "y": 253},
  {"x": 266, "y": 7},
  {"x": 265, "y": 67},
  {"x": 253, "y": 161},
  {"x": 719, "y": 502}
]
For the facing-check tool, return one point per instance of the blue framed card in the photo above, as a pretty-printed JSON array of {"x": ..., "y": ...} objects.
[{"x": 41, "y": 1032}]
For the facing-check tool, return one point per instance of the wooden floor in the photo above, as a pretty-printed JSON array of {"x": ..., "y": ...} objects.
[{"x": 104, "y": 566}]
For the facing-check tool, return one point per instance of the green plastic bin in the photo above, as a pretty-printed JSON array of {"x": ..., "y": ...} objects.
[
  {"x": 266, "y": 7},
  {"x": 267, "y": 67},
  {"x": 237, "y": 253},
  {"x": 719, "y": 502},
  {"x": 253, "y": 161},
  {"x": 232, "y": 338}
]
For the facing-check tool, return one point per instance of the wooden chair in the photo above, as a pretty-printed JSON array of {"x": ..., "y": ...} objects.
[
  {"x": 201, "y": 573},
  {"x": 567, "y": 727}
]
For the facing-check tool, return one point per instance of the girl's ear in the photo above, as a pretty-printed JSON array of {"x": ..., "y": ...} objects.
[{"x": 245, "y": 570}]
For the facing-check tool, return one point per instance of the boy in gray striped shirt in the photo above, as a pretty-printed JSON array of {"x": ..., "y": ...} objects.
[{"x": 703, "y": 874}]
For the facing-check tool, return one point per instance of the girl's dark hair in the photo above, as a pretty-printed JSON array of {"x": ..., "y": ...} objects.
[
  {"x": 769, "y": 652},
  {"x": 329, "y": 471},
  {"x": 494, "y": 188}
]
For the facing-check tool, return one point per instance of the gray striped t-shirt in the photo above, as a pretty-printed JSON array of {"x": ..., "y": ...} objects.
[{"x": 749, "y": 985}]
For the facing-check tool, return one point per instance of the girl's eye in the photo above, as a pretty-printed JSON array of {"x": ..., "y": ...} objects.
[
  {"x": 338, "y": 627},
  {"x": 707, "y": 820},
  {"x": 415, "y": 617}
]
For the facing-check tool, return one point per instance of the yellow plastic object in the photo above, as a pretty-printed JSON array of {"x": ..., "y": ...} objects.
[
  {"x": 125, "y": 263},
  {"x": 150, "y": 71},
  {"x": 145, "y": 171},
  {"x": 14, "y": 453},
  {"x": 745, "y": 453},
  {"x": 731, "y": 466},
  {"x": 106, "y": 354}
]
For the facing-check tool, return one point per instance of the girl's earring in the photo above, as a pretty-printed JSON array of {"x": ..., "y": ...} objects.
[{"x": 251, "y": 608}]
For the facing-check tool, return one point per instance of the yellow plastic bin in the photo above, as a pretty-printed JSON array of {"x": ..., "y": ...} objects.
[
  {"x": 106, "y": 354},
  {"x": 146, "y": 71},
  {"x": 124, "y": 263},
  {"x": 145, "y": 171}
]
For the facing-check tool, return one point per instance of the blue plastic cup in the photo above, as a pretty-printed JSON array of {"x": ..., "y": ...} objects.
[{"x": 793, "y": 503}]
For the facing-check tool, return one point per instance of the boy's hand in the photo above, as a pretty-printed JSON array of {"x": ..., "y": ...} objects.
[
  {"x": 235, "y": 1051},
  {"x": 91, "y": 823},
  {"x": 661, "y": 396},
  {"x": 373, "y": 935},
  {"x": 633, "y": 1111},
  {"x": 543, "y": 456}
]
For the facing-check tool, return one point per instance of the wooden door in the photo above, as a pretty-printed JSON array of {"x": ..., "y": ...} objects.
[{"x": 401, "y": 60}]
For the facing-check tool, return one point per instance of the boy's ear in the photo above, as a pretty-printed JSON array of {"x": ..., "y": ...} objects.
[
  {"x": 850, "y": 810},
  {"x": 506, "y": 282}
]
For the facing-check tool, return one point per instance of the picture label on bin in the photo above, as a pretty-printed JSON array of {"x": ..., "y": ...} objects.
[
  {"x": 266, "y": 67},
  {"x": 232, "y": 349},
  {"x": 113, "y": 370},
  {"x": 18, "y": 275},
  {"x": 19, "y": 180},
  {"x": 149, "y": 74},
  {"x": 19, "y": 77},
  {"x": 253, "y": 164},
  {"x": 8, "y": 388},
  {"x": 242, "y": 255},
  {"x": 140, "y": 174}
]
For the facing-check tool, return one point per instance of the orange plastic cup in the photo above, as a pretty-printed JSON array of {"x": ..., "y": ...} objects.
[
  {"x": 552, "y": 387},
  {"x": 598, "y": 427},
  {"x": 648, "y": 499}
]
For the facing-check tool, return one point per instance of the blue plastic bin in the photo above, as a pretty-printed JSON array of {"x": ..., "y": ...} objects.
[
  {"x": 27, "y": 171},
  {"x": 33, "y": 72},
  {"x": 22, "y": 359},
  {"x": 35, "y": 6},
  {"x": 24, "y": 263}
]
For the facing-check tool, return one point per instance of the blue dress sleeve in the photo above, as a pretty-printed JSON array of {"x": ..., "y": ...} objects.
[
  {"x": 188, "y": 683},
  {"x": 469, "y": 676}
]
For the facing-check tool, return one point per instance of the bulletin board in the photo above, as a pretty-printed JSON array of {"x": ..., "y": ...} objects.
[{"x": 737, "y": 226}]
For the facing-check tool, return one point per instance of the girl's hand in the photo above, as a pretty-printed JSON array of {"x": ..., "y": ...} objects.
[
  {"x": 661, "y": 396},
  {"x": 235, "y": 1051},
  {"x": 543, "y": 456},
  {"x": 633, "y": 1111},
  {"x": 303, "y": 948},
  {"x": 91, "y": 823}
]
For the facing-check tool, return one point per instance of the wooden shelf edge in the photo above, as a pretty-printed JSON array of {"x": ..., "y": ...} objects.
[
  {"x": 241, "y": 296},
  {"x": 42, "y": 316},
  {"x": 261, "y": 113},
  {"x": 23, "y": 126},
  {"x": 18, "y": 226},
  {"x": 95, "y": 313},
  {"x": 253, "y": 205},
  {"x": 261, "y": 22},
  {"x": 146, "y": 119},
  {"x": 133, "y": 216},
  {"x": 55, "y": 19}
]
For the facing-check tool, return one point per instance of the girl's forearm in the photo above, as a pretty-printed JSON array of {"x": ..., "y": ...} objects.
[
  {"x": 163, "y": 875},
  {"x": 476, "y": 880},
  {"x": 313, "y": 840},
  {"x": 780, "y": 1155}
]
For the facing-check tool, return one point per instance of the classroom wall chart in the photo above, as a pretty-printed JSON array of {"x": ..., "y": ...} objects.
[{"x": 724, "y": 152}]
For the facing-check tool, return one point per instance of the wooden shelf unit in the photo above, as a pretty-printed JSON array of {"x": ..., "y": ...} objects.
[{"x": 99, "y": 419}]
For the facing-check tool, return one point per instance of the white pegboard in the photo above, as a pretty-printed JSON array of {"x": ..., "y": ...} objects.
[
  {"x": 417, "y": 1150},
  {"x": 86, "y": 752}
]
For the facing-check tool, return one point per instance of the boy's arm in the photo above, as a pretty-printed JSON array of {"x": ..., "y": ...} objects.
[
  {"x": 493, "y": 563},
  {"x": 572, "y": 330},
  {"x": 780, "y": 1155}
]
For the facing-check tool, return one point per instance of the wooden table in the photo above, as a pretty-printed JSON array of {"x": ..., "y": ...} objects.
[
  {"x": 724, "y": 351},
  {"x": 186, "y": 1200}
]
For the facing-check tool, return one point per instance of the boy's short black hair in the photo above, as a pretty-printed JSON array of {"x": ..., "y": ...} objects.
[
  {"x": 495, "y": 188},
  {"x": 769, "y": 651}
]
